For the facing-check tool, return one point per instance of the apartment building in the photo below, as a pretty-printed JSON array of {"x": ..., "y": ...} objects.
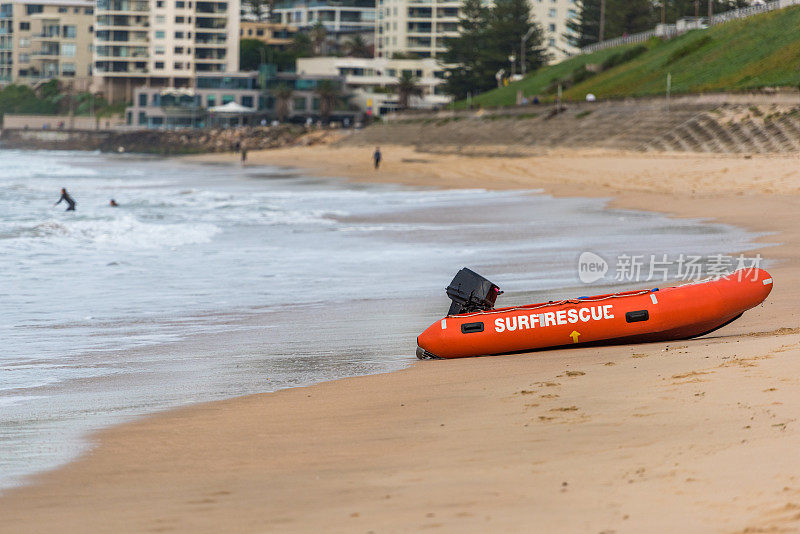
[
  {"x": 418, "y": 27},
  {"x": 338, "y": 16},
  {"x": 45, "y": 39},
  {"x": 252, "y": 96},
  {"x": 267, "y": 32},
  {"x": 553, "y": 16},
  {"x": 421, "y": 27},
  {"x": 162, "y": 43},
  {"x": 372, "y": 82}
]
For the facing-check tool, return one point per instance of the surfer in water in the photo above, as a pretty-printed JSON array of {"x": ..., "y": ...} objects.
[{"x": 66, "y": 198}]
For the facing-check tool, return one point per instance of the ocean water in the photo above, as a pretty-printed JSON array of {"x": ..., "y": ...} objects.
[{"x": 212, "y": 281}]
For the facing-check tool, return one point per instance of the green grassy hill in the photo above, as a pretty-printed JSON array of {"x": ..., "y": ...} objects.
[{"x": 761, "y": 51}]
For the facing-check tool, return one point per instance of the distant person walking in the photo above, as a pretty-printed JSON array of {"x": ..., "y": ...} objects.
[
  {"x": 244, "y": 154},
  {"x": 377, "y": 157},
  {"x": 66, "y": 198}
]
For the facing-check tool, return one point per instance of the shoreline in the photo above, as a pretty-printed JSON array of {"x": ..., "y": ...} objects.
[{"x": 401, "y": 450}]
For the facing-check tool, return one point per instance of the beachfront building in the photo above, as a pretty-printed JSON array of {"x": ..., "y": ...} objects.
[
  {"x": 162, "y": 43},
  {"x": 269, "y": 33},
  {"x": 373, "y": 81},
  {"x": 46, "y": 39},
  {"x": 421, "y": 27},
  {"x": 342, "y": 19},
  {"x": 417, "y": 27},
  {"x": 244, "y": 98}
]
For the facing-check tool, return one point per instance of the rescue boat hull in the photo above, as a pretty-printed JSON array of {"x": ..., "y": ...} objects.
[{"x": 642, "y": 316}]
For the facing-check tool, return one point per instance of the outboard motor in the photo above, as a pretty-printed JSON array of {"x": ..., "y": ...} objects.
[{"x": 470, "y": 292}]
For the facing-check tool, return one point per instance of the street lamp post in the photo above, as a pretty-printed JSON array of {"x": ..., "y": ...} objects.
[{"x": 522, "y": 49}]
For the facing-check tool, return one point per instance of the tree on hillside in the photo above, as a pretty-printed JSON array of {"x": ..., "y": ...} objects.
[
  {"x": 407, "y": 87},
  {"x": 488, "y": 37},
  {"x": 622, "y": 17},
  {"x": 677, "y": 9},
  {"x": 634, "y": 16}
]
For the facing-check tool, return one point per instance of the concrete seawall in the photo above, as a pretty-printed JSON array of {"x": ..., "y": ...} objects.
[
  {"x": 153, "y": 141},
  {"x": 701, "y": 125}
]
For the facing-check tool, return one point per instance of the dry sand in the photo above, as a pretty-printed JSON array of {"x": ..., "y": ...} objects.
[{"x": 695, "y": 436}]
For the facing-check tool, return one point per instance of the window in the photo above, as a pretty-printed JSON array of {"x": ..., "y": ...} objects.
[
  {"x": 247, "y": 101},
  {"x": 33, "y": 9},
  {"x": 62, "y": 9},
  {"x": 159, "y": 50},
  {"x": 315, "y": 104},
  {"x": 142, "y": 99},
  {"x": 24, "y": 26},
  {"x": 68, "y": 50},
  {"x": 160, "y": 3},
  {"x": 142, "y": 117},
  {"x": 179, "y": 20},
  {"x": 160, "y": 34},
  {"x": 70, "y": 32},
  {"x": 161, "y": 19},
  {"x": 227, "y": 98},
  {"x": 551, "y": 27},
  {"x": 299, "y": 104},
  {"x": 24, "y": 58},
  {"x": 211, "y": 101},
  {"x": 260, "y": 33},
  {"x": 551, "y": 13},
  {"x": 159, "y": 65},
  {"x": 88, "y": 11},
  {"x": 178, "y": 65},
  {"x": 180, "y": 4},
  {"x": 179, "y": 50},
  {"x": 552, "y": 42},
  {"x": 156, "y": 99},
  {"x": 68, "y": 69},
  {"x": 178, "y": 35}
]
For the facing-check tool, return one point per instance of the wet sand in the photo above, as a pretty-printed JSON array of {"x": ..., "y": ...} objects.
[{"x": 693, "y": 436}]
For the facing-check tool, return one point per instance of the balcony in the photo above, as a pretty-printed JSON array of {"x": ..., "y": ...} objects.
[
  {"x": 122, "y": 21},
  {"x": 125, "y": 6},
  {"x": 211, "y": 9},
  {"x": 210, "y": 23}
]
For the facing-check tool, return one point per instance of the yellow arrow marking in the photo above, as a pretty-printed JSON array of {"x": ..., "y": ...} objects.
[{"x": 574, "y": 335}]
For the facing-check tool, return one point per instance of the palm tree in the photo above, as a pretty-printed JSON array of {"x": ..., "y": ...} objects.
[
  {"x": 318, "y": 35},
  {"x": 283, "y": 96},
  {"x": 357, "y": 47},
  {"x": 406, "y": 87},
  {"x": 328, "y": 93}
]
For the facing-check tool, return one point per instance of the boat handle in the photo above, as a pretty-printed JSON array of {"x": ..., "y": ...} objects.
[
  {"x": 636, "y": 316},
  {"x": 469, "y": 328}
]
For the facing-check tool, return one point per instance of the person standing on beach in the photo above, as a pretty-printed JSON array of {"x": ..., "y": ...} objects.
[
  {"x": 244, "y": 154},
  {"x": 66, "y": 198},
  {"x": 377, "y": 157}
]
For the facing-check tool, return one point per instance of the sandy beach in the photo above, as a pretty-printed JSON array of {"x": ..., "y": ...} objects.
[{"x": 694, "y": 436}]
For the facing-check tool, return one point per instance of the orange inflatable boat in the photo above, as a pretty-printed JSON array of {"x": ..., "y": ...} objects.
[{"x": 474, "y": 328}]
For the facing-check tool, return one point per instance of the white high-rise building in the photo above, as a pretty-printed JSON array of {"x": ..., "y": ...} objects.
[
  {"x": 417, "y": 27},
  {"x": 553, "y": 16},
  {"x": 162, "y": 43},
  {"x": 420, "y": 27}
]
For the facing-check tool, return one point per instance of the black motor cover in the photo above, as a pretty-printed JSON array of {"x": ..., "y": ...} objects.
[{"x": 470, "y": 292}]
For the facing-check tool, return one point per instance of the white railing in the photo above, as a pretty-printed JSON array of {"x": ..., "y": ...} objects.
[{"x": 669, "y": 31}]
